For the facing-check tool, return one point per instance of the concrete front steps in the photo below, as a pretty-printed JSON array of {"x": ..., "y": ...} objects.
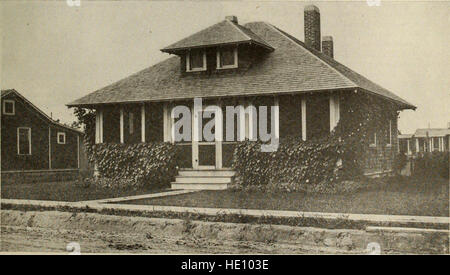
[{"x": 214, "y": 179}]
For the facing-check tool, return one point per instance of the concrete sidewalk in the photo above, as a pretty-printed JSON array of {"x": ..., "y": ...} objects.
[{"x": 96, "y": 205}]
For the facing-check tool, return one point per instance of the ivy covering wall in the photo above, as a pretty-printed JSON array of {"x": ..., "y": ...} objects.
[{"x": 325, "y": 160}]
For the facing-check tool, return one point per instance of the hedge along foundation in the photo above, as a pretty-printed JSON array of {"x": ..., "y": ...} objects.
[{"x": 183, "y": 126}]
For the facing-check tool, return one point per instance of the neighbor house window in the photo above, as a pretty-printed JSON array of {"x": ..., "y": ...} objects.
[
  {"x": 9, "y": 107},
  {"x": 131, "y": 122},
  {"x": 389, "y": 134},
  {"x": 61, "y": 138},
  {"x": 24, "y": 141},
  {"x": 196, "y": 61},
  {"x": 227, "y": 57}
]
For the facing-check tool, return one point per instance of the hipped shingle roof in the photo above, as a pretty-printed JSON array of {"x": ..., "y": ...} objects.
[{"x": 290, "y": 68}]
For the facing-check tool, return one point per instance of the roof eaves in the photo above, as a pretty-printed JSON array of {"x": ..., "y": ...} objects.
[{"x": 172, "y": 98}]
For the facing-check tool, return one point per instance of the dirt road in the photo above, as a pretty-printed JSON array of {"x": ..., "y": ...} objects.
[{"x": 32, "y": 239}]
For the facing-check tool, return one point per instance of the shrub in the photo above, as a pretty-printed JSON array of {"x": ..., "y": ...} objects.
[
  {"x": 432, "y": 165},
  {"x": 324, "y": 161},
  {"x": 400, "y": 161},
  {"x": 295, "y": 162},
  {"x": 133, "y": 165}
]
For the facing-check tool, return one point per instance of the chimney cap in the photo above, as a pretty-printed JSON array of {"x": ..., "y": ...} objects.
[
  {"x": 312, "y": 8},
  {"x": 327, "y": 38},
  {"x": 232, "y": 18}
]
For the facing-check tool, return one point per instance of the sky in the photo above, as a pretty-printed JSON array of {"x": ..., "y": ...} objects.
[{"x": 53, "y": 53}]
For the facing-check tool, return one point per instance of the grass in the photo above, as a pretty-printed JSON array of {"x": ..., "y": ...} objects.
[
  {"x": 394, "y": 196},
  {"x": 68, "y": 191}
]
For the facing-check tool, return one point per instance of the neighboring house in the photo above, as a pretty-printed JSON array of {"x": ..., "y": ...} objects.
[
  {"x": 34, "y": 147},
  {"x": 426, "y": 140},
  {"x": 229, "y": 64}
]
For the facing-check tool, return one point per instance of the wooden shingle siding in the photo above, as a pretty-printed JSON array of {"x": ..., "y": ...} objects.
[
  {"x": 64, "y": 156},
  {"x": 24, "y": 117},
  {"x": 46, "y": 153}
]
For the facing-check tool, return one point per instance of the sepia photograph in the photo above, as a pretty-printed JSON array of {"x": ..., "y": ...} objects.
[{"x": 231, "y": 128}]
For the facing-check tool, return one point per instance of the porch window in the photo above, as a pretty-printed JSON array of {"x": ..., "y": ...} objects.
[
  {"x": 196, "y": 61},
  {"x": 8, "y": 107},
  {"x": 227, "y": 58},
  {"x": 61, "y": 138},
  {"x": 23, "y": 141}
]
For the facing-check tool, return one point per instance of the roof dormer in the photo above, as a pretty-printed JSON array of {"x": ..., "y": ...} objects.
[{"x": 218, "y": 47}]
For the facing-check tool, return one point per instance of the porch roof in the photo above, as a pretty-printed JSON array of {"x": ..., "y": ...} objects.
[
  {"x": 291, "y": 68},
  {"x": 432, "y": 132}
]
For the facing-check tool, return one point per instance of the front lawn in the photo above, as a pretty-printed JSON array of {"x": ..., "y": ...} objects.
[
  {"x": 68, "y": 191},
  {"x": 394, "y": 196}
]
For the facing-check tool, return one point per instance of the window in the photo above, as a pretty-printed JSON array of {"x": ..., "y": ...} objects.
[
  {"x": 373, "y": 140},
  {"x": 9, "y": 107},
  {"x": 227, "y": 57},
  {"x": 61, "y": 138},
  {"x": 196, "y": 61},
  {"x": 23, "y": 141},
  {"x": 389, "y": 134},
  {"x": 131, "y": 122}
]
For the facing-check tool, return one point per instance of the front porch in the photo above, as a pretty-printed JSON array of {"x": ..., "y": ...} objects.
[{"x": 205, "y": 162}]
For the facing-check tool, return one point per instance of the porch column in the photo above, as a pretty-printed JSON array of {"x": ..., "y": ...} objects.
[
  {"x": 407, "y": 145},
  {"x": 417, "y": 145},
  {"x": 334, "y": 111},
  {"x": 167, "y": 123},
  {"x": 195, "y": 136},
  {"x": 219, "y": 135},
  {"x": 303, "y": 106},
  {"x": 143, "y": 123},
  {"x": 277, "y": 117},
  {"x": 121, "y": 125},
  {"x": 99, "y": 126},
  {"x": 241, "y": 121}
]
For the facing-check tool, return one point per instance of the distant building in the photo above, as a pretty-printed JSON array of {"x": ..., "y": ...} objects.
[
  {"x": 34, "y": 147},
  {"x": 425, "y": 140}
]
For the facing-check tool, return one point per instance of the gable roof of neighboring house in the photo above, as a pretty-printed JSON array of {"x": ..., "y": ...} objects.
[
  {"x": 222, "y": 33},
  {"x": 41, "y": 113},
  {"x": 432, "y": 132},
  {"x": 291, "y": 68}
]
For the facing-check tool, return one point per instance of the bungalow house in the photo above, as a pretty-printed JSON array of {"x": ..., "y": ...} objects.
[
  {"x": 426, "y": 140},
  {"x": 34, "y": 147},
  {"x": 229, "y": 64}
]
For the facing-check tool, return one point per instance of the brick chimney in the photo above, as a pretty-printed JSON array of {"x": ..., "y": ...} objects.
[
  {"x": 312, "y": 27},
  {"x": 232, "y": 18},
  {"x": 327, "y": 46}
]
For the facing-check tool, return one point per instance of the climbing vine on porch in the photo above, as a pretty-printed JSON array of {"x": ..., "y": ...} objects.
[
  {"x": 128, "y": 165},
  {"x": 322, "y": 161}
]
